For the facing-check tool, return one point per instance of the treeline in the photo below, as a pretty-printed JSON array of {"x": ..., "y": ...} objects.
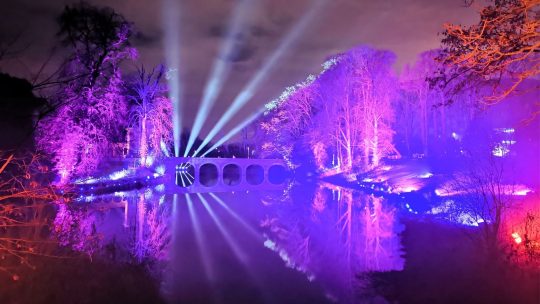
[{"x": 358, "y": 111}]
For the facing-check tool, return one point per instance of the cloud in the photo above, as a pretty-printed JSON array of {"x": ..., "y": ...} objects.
[{"x": 406, "y": 27}]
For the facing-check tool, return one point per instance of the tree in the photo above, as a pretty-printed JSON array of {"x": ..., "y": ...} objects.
[
  {"x": 151, "y": 114},
  {"x": 357, "y": 95},
  {"x": 23, "y": 212},
  {"x": 505, "y": 44},
  {"x": 287, "y": 119},
  {"x": 375, "y": 90},
  {"x": 97, "y": 37},
  {"x": 93, "y": 109},
  {"x": 345, "y": 110},
  {"x": 18, "y": 107},
  {"x": 484, "y": 196}
]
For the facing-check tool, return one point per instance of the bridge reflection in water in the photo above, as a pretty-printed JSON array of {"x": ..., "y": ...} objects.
[{"x": 186, "y": 174}]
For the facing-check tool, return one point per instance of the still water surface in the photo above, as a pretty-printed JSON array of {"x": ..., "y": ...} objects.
[{"x": 301, "y": 244}]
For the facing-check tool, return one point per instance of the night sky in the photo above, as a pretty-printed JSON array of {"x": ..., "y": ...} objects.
[{"x": 407, "y": 27}]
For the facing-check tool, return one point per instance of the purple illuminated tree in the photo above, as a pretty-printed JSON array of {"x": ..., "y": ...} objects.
[
  {"x": 287, "y": 119},
  {"x": 346, "y": 110},
  {"x": 92, "y": 109},
  {"x": 151, "y": 114}
]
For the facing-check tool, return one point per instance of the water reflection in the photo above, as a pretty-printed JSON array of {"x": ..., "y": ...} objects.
[{"x": 243, "y": 247}]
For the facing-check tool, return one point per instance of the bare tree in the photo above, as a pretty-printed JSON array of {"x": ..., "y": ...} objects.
[
  {"x": 484, "y": 196},
  {"x": 24, "y": 204},
  {"x": 505, "y": 44},
  {"x": 151, "y": 114}
]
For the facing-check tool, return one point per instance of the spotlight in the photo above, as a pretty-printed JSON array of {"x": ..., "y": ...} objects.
[
  {"x": 234, "y": 131},
  {"x": 219, "y": 72},
  {"x": 250, "y": 89},
  {"x": 171, "y": 15}
]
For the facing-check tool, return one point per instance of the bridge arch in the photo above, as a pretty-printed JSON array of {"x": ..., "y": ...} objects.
[{"x": 224, "y": 174}]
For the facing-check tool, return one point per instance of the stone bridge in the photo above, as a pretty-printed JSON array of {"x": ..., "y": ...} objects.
[{"x": 185, "y": 174}]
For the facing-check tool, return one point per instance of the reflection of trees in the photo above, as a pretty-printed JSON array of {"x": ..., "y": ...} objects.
[
  {"x": 144, "y": 235},
  {"x": 293, "y": 245},
  {"x": 153, "y": 234},
  {"x": 381, "y": 250},
  {"x": 340, "y": 236},
  {"x": 76, "y": 228}
]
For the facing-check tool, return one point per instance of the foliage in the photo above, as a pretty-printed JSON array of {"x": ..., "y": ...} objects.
[
  {"x": 429, "y": 114},
  {"x": 97, "y": 36},
  {"x": 23, "y": 212},
  {"x": 345, "y": 111},
  {"x": 290, "y": 115},
  {"x": 93, "y": 109},
  {"x": 504, "y": 44},
  {"x": 151, "y": 114}
]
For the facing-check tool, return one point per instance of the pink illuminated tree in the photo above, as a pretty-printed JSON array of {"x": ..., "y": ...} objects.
[
  {"x": 91, "y": 109},
  {"x": 358, "y": 94},
  {"x": 345, "y": 111},
  {"x": 379, "y": 246}
]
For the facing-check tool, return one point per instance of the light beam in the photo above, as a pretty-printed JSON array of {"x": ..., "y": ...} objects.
[
  {"x": 234, "y": 131},
  {"x": 171, "y": 16},
  {"x": 220, "y": 71},
  {"x": 200, "y": 240},
  {"x": 230, "y": 240},
  {"x": 236, "y": 216},
  {"x": 250, "y": 89}
]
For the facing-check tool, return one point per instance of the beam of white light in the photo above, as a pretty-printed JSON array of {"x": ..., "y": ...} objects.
[
  {"x": 200, "y": 240},
  {"x": 190, "y": 181},
  {"x": 220, "y": 71},
  {"x": 182, "y": 178},
  {"x": 171, "y": 16},
  {"x": 234, "y": 131},
  {"x": 230, "y": 240},
  {"x": 236, "y": 216},
  {"x": 249, "y": 90},
  {"x": 191, "y": 176}
]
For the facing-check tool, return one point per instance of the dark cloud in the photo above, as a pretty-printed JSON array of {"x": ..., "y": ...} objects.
[
  {"x": 217, "y": 31},
  {"x": 147, "y": 39},
  {"x": 242, "y": 52},
  {"x": 259, "y": 31}
]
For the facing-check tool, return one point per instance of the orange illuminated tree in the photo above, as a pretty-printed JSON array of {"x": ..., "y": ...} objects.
[
  {"x": 23, "y": 212},
  {"x": 502, "y": 49}
]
